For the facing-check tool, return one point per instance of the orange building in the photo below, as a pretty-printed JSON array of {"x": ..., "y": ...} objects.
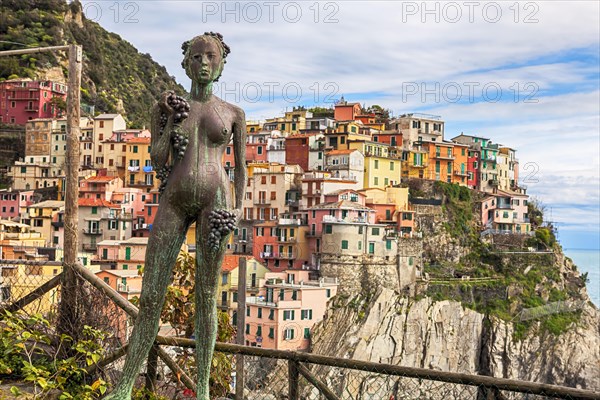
[{"x": 345, "y": 111}]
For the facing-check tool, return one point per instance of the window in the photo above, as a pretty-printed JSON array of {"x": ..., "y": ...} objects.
[
  {"x": 247, "y": 311},
  {"x": 259, "y": 150},
  {"x": 391, "y": 165},
  {"x": 263, "y": 180},
  {"x": 388, "y": 244},
  {"x": 271, "y": 333},
  {"x": 271, "y": 314},
  {"x": 328, "y": 228},
  {"x": 410, "y": 261},
  {"x": 328, "y": 293},
  {"x": 306, "y": 314},
  {"x": 94, "y": 210},
  {"x": 375, "y": 231},
  {"x": 247, "y": 329},
  {"x": 273, "y": 180},
  {"x": 228, "y": 150},
  {"x": 344, "y": 245},
  {"x": 288, "y": 334},
  {"x": 294, "y": 293},
  {"x": 288, "y": 314},
  {"x": 259, "y": 313},
  {"x": 273, "y": 195},
  {"x": 376, "y": 181},
  {"x": 224, "y": 279},
  {"x": 306, "y": 333},
  {"x": 259, "y": 330},
  {"x": 376, "y": 164},
  {"x": 23, "y": 170}
]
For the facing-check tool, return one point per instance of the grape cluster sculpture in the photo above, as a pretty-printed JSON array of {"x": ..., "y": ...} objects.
[{"x": 221, "y": 223}]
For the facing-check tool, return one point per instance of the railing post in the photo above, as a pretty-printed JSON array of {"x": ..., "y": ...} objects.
[{"x": 294, "y": 380}]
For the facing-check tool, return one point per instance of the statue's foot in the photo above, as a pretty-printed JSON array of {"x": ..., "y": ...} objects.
[{"x": 119, "y": 394}]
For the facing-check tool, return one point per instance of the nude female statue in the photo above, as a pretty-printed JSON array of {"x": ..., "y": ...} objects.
[{"x": 197, "y": 190}]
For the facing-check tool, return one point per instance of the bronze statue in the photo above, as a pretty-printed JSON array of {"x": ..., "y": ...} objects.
[{"x": 188, "y": 141}]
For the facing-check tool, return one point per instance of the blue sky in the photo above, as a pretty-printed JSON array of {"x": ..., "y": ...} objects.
[{"x": 526, "y": 74}]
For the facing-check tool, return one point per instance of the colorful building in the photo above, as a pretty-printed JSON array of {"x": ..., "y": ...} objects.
[
  {"x": 22, "y": 100},
  {"x": 283, "y": 313}
]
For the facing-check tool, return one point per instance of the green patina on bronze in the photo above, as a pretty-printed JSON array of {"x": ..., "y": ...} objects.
[{"x": 197, "y": 186}]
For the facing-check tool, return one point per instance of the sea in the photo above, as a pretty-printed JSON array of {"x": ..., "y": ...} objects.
[{"x": 588, "y": 260}]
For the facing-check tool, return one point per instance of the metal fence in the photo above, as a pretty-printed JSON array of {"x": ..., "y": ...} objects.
[{"x": 269, "y": 374}]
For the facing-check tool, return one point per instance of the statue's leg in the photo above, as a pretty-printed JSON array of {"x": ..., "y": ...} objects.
[
  {"x": 208, "y": 268},
  {"x": 164, "y": 244}
]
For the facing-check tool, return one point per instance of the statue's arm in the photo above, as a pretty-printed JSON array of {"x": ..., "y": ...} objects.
[
  {"x": 160, "y": 142},
  {"x": 239, "y": 153}
]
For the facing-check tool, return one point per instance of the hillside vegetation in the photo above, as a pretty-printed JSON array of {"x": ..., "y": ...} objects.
[{"x": 116, "y": 77}]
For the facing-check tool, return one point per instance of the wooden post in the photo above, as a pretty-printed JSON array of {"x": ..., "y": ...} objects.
[
  {"x": 241, "y": 323},
  {"x": 69, "y": 302},
  {"x": 294, "y": 380},
  {"x": 325, "y": 391}
]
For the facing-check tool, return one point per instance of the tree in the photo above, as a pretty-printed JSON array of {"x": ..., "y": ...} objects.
[{"x": 381, "y": 114}]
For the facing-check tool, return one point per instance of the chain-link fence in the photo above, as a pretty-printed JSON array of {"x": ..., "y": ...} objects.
[{"x": 267, "y": 374}]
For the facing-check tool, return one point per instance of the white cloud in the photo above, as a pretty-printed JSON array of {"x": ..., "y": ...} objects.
[{"x": 372, "y": 51}]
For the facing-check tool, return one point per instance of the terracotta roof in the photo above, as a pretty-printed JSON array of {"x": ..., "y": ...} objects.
[
  {"x": 142, "y": 140},
  {"x": 339, "y": 152},
  {"x": 338, "y": 205},
  {"x": 96, "y": 203},
  {"x": 230, "y": 262},
  {"x": 98, "y": 178}
]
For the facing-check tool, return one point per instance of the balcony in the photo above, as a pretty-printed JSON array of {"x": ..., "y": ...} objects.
[
  {"x": 90, "y": 246},
  {"x": 286, "y": 256},
  {"x": 58, "y": 224},
  {"x": 125, "y": 288},
  {"x": 92, "y": 231},
  {"x": 444, "y": 156},
  {"x": 424, "y": 165},
  {"x": 460, "y": 173},
  {"x": 284, "y": 239},
  {"x": 292, "y": 203},
  {"x": 290, "y": 221},
  {"x": 141, "y": 183},
  {"x": 140, "y": 226},
  {"x": 493, "y": 182},
  {"x": 260, "y": 201},
  {"x": 223, "y": 305}
]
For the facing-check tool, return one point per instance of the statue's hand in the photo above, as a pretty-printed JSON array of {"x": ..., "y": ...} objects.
[
  {"x": 238, "y": 215},
  {"x": 163, "y": 103}
]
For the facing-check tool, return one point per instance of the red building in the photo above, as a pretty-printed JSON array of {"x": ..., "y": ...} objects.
[
  {"x": 473, "y": 169},
  {"x": 22, "y": 100},
  {"x": 297, "y": 148}
]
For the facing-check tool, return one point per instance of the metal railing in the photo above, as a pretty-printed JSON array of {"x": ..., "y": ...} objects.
[{"x": 296, "y": 375}]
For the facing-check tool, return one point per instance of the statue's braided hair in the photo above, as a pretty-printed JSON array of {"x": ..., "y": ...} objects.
[{"x": 217, "y": 36}]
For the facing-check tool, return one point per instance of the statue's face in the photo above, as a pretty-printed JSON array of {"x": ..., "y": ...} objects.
[{"x": 204, "y": 62}]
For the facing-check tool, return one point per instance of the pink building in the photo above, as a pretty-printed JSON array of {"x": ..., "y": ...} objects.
[
  {"x": 99, "y": 187},
  {"x": 22, "y": 100},
  {"x": 12, "y": 203},
  {"x": 287, "y": 307}
]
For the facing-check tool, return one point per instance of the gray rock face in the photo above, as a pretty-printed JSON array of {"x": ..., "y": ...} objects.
[{"x": 447, "y": 337}]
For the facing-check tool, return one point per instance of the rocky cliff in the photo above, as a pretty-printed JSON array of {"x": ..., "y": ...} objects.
[
  {"x": 510, "y": 306},
  {"x": 445, "y": 336}
]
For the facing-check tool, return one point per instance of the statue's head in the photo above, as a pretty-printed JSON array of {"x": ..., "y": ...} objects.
[{"x": 204, "y": 57}]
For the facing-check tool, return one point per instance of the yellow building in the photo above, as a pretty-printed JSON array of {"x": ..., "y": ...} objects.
[
  {"x": 229, "y": 281},
  {"x": 39, "y": 217},
  {"x": 382, "y": 168},
  {"x": 138, "y": 171},
  {"x": 397, "y": 196},
  {"x": 415, "y": 165}
]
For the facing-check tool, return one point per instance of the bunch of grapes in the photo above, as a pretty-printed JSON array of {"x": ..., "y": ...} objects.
[
  {"x": 221, "y": 223},
  {"x": 163, "y": 122},
  {"x": 163, "y": 175},
  {"x": 180, "y": 143},
  {"x": 181, "y": 107}
]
